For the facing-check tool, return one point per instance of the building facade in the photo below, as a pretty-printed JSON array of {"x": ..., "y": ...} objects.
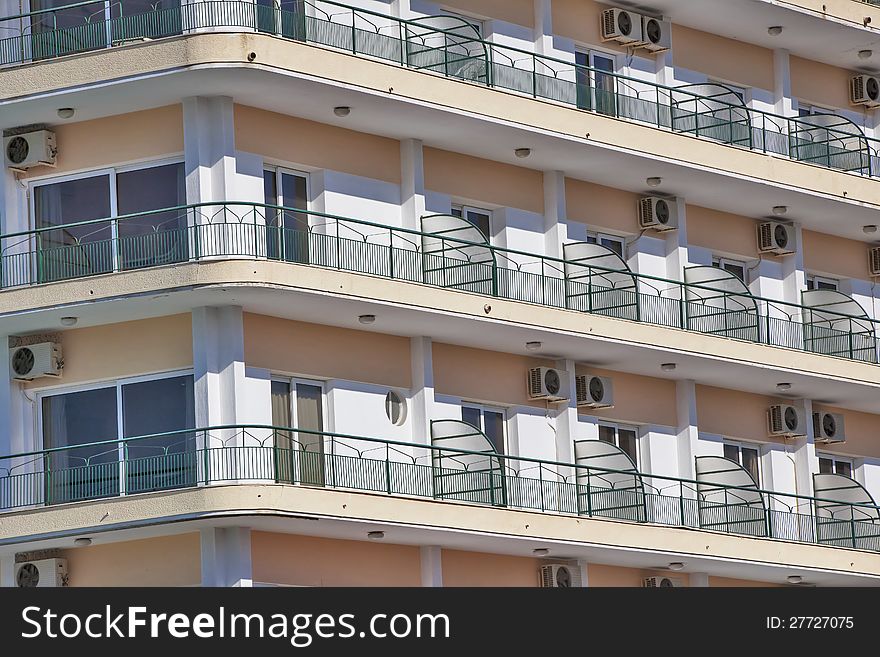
[{"x": 469, "y": 293}]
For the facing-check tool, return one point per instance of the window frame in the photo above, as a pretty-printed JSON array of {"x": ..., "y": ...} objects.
[
  {"x": 622, "y": 426},
  {"x": 835, "y": 459},
  {"x": 816, "y": 280},
  {"x": 744, "y": 444},
  {"x": 744, "y": 92},
  {"x": 491, "y": 408},
  {"x": 596, "y": 237},
  {"x": 279, "y": 171},
  {"x": 464, "y": 208},
  {"x": 722, "y": 261}
]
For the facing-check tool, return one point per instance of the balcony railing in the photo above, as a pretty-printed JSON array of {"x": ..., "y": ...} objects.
[
  {"x": 827, "y": 140},
  {"x": 270, "y": 455},
  {"x": 205, "y": 232}
]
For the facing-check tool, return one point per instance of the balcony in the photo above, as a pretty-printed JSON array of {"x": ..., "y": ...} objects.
[
  {"x": 589, "y": 280},
  {"x": 597, "y": 486},
  {"x": 705, "y": 111}
]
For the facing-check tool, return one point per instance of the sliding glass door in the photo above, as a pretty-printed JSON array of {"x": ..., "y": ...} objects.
[
  {"x": 287, "y": 228},
  {"x": 300, "y": 454}
]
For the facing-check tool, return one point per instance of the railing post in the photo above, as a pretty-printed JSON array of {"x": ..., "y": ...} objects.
[
  {"x": 391, "y": 253},
  {"x": 682, "y": 306},
  {"x": 589, "y": 496},
  {"x": 683, "y": 523},
  {"x": 206, "y": 457},
  {"x": 353, "y": 32},
  {"x": 387, "y": 470},
  {"x": 852, "y": 524},
  {"x": 541, "y": 483}
]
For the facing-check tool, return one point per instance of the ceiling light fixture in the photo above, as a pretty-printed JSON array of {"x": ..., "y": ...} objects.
[
  {"x": 376, "y": 536},
  {"x": 540, "y": 552},
  {"x": 66, "y": 112},
  {"x": 654, "y": 181},
  {"x": 870, "y": 228},
  {"x": 366, "y": 319},
  {"x": 668, "y": 367},
  {"x": 865, "y": 54},
  {"x": 342, "y": 110},
  {"x": 533, "y": 346},
  {"x": 794, "y": 579},
  {"x": 780, "y": 210},
  {"x": 774, "y": 30},
  {"x": 522, "y": 152},
  {"x": 82, "y": 542},
  {"x": 676, "y": 565},
  {"x": 782, "y": 387},
  {"x": 69, "y": 321}
]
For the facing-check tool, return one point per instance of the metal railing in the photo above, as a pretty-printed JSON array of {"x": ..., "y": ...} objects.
[
  {"x": 828, "y": 141},
  {"x": 266, "y": 454},
  {"x": 209, "y": 231}
]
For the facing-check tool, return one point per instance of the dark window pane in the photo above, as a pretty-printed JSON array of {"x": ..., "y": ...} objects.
[
  {"x": 614, "y": 245},
  {"x": 844, "y": 468},
  {"x": 456, "y": 212},
  {"x": 731, "y": 452},
  {"x": 750, "y": 462},
  {"x": 737, "y": 270},
  {"x": 296, "y": 237},
  {"x": 608, "y": 434},
  {"x": 826, "y": 466},
  {"x": 480, "y": 220},
  {"x": 628, "y": 442},
  {"x": 494, "y": 422},
  {"x": 471, "y": 416}
]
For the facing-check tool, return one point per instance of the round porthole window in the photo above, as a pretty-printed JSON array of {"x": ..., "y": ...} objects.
[{"x": 395, "y": 408}]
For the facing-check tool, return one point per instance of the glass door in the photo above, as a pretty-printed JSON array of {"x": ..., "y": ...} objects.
[
  {"x": 595, "y": 82},
  {"x": 299, "y": 454},
  {"x": 287, "y": 225},
  {"x": 285, "y": 18}
]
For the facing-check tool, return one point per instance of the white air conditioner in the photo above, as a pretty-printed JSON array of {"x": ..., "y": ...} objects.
[
  {"x": 30, "y": 149},
  {"x": 623, "y": 26},
  {"x": 594, "y": 391},
  {"x": 775, "y": 237},
  {"x": 35, "y": 360},
  {"x": 786, "y": 420},
  {"x": 828, "y": 428},
  {"x": 547, "y": 383},
  {"x": 874, "y": 260},
  {"x": 46, "y": 573},
  {"x": 657, "y": 34},
  {"x": 657, "y": 213},
  {"x": 864, "y": 90},
  {"x": 559, "y": 576},
  {"x": 662, "y": 583}
]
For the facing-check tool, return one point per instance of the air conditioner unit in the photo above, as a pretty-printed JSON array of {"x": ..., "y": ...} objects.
[
  {"x": 594, "y": 391},
  {"x": 662, "y": 583},
  {"x": 874, "y": 260},
  {"x": 786, "y": 420},
  {"x": 864, "y": 90},
  {"x": 657, "y": 213},
  {"x": 30, "y": 149},
  {"x": 547, "y": 383},
  {"x": 657, "y": 34},
  {"x": 775, "y": 237},
  {"x": 559, "y": 576},
  {"x": 46, "y": 573},
  {"x": 35, "y": 360},
  {"x": 828, "y": 428},
  {"x": 623, "y": 26}
]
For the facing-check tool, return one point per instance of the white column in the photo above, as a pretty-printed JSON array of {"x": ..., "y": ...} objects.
[
  {"x": 782, "y": 83},
  {"x": 218, "y": 363},
  {"x": 566, "y": 416},
  {"x": 422, "y": 402},
  {"x": 686, "y": 426},
  {"x": 555, "y": 213},
  {"x": 412, "y": 183},
  {"x": 402, "y": 9},
  {"x": 793, "y": 275},
  {"x": 7, "y": 571},
  {"x": 8, "y": 388},
  {"x": 209, "y": 147},
  {"x": 677, "y": 244},
  {"x": 543, "y": 27},
  {"x": 226, "y": 557},
  {"x": 432, "y": 565},
  {"x": 664, "y": 69},
  {"x": 584, "y": 568},
  {"x": 699, "y": 580},
  {"x": 14, "y": 219},
  {"x": 803, "y": 451}
]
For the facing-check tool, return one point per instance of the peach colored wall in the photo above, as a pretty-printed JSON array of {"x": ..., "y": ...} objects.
[
  {"x": 739, "y": 583},
  {"x": 478, "y": 569},
  {"x": 313, "y": 561},
  {"x": 601, "y": 575},
  {"x": 483, "y": 180},
  {"x": 483, "y": 375},
  {"x": 326, "y": 351},
  {"x": 862, "y": 433},
  {"x": 602, "y": 207},
  {"x": 520, "y": 12},
  {"x": 318, "y": 145},
  {"x": 721, "y": 58},
  {"x": 110, "y": 351},
  {"x": 639, "y": 399},
  {"x": 835, "y": 255},
  {"x": 733, "y": 414},
  {"x": 122, "y": 138},
  {"x": 580, "y": 20},
  {"x": 163, "y": 561},
  {"x": 819, "y": 83},
  {"x": 722, "y": 232}
]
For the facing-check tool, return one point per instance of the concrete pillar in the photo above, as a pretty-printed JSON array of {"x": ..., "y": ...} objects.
[
  {"x": 218, "y": 364},
  {"x": 7, "y": 571},
  {"x": 699, "y": 580},
  {"x": 664, "y": 69},
  {"x": 585, "y": 573},
  {"x": 803, "y": 451},
  {"x": 794, "y": 278},
  {"x": 566, "y": 416},
  {"x": 555, "y": 232},
  {"x": 782, "y": 99},
  {"x": 209, "y": 147},
  {"x": 402, "y": 9},
  {"x": 431, "y": 557},
  {"x": 687, "y": 427},
  {"x": 412, "y": 183},
  {"x": 543, "y": 27},
  {"x": 677, "y": 244},
  {"x": 226, "y": 557},
  {"x": 422, "y": 402}
]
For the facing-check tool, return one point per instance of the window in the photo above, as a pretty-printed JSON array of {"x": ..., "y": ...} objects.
[
  {"x": 833, "y": 465},
  {"x": 87, "y": 416},
  {"x": 821, "y": 283},
  {"x": 747, "y": 456},
  {"x": 616, "y": 244},
  {"x": 740, "y": 92},
  {"x": 395, "y": 408},
  {"x": 477, "y": 217},
  {"x": 595, "y": 81},
  {"x": 488, "y": 420},
  {"x": 733, "y": 266},
  {"x": 287, "y": 229},
  {"x": 626, "y": 438},
  {"x": 299, "y": 404},
  {"x": 156, "y": 236}
]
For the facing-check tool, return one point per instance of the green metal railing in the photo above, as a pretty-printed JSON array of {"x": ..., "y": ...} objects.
[
  {"x": 251, "y": 230},
  {"x": 266, "y": 454},
  {"x": 826, "y": 140}
]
